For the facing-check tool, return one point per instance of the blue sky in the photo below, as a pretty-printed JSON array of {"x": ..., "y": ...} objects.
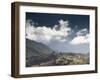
[
  {"x": 49, "y": 20},
  {"x": 61, "y": 32}
]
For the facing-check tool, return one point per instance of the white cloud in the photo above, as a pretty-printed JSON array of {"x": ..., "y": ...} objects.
[
  {"x": 82, "y": 32},
  {"x": 82, "y": 37},
  {"x": 80, "y": 40},
  {"x": 43, "y": 33},
  {"x": 60, "y": 37}
]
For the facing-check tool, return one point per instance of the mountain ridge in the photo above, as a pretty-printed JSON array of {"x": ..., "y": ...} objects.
[{"x": 36, "y": 52}]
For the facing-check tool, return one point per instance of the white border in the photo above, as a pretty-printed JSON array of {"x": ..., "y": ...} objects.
[{"x": 50, "y": 69}]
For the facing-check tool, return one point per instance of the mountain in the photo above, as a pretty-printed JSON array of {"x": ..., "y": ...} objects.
[{"x": 36, "y": 52}]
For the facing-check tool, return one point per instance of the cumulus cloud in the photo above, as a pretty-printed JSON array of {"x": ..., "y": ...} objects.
[
  {"x": 43, "y": 33},
  {"x": 60, "y": 38}
]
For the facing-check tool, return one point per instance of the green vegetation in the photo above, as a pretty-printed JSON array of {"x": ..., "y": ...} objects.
[
  {"x": 62, "y": 59},
  {"x": 38, "y": 54}
]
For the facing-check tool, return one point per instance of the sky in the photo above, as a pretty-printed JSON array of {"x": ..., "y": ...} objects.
[{"x": 61, "y": 32}]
